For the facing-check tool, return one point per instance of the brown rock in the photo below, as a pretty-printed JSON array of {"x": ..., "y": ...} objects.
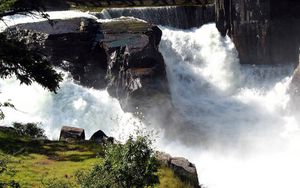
[
  {"x": 71, "y": 134},
  {"x": 164, "y": 158}
]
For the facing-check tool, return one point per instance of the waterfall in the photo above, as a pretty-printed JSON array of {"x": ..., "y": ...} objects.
[
  {"x": 73, "y": 105},
  {"x": 243, "y": 135},
  {"x": 239, "y": 131},
  {"x": 183, "y": 17}
]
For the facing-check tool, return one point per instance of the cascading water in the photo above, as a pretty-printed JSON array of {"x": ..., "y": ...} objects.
[
  {"x": 240, "y": 133},
  {"x": 73, "y": 105},
  {"x": 243, "y": 134},
  {"x": 183, "y": 17}
]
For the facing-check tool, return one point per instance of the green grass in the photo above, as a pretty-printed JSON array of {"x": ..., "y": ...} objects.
[
  {"x": 34, "y": 169},
  {"x": 37, "y": 163},
  {"x": 168, "y": 179}
]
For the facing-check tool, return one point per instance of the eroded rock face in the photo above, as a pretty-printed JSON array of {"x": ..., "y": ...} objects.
[
  {"x": 121, "y": 55},
  {"x": 136, "y": 68},
  {"x": 263, "y": 31}
]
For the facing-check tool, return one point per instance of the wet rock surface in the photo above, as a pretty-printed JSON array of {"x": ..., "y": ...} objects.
[
  {"x": 121, "y": 55},
  {"x": 263, "y": 31}
]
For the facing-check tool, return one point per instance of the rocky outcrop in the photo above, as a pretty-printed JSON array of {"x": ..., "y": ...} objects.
[
  {"x": 121, "y": 55},
  {"x": 136, "y": 68},
  {"x": 184, "y": 169},
  {"x": 263, "y": 31},
  {"x": 70, "y": 134}
]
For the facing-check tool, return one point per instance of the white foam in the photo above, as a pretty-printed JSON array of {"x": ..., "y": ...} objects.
[
  {"x": 54, "y": 15},
  {"x": 244, "y": 137},
  {"x": 73, "y": 105}
]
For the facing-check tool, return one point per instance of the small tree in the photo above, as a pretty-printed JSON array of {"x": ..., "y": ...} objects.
[{"x": 130, "y": 165}]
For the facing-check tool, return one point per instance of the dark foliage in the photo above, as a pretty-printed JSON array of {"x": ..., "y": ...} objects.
[
  {"x": 28, "y": 65},
  {"x": 11, "y": 7},
  {"x": 17, "y": 58},
  {"x": 31, "y": 130}
]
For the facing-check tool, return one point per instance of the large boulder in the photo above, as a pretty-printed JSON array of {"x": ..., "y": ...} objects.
[
  {"x": 100, "y": 137},
  {"x": 71, "y": 134},
  {"x": 184, "y": 169}
]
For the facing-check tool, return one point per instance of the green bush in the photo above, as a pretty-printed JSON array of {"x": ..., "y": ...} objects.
[
  {"x": 31, "y": 130},
  {"x": 130, "y": 165}
]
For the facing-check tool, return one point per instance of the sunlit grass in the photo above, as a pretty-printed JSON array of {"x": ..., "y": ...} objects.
[
  {"x": 168, "y": 179},
  {"x": 37, "y": 162},
  {"x": 34, "y": 169}
]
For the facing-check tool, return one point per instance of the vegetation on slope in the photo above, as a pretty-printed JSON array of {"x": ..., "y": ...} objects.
[{"x": 43, "y": 163}]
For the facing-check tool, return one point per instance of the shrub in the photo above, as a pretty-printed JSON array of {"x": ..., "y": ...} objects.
[
  {"x": 31, "y": 130},
  {"x": 130, "y": 165}
]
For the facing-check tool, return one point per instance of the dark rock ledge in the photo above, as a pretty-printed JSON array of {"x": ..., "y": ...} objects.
[{"x": 121, "y": 55}]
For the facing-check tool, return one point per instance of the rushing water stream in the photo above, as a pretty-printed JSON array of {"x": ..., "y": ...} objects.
[{"x": 242, "y": 133}]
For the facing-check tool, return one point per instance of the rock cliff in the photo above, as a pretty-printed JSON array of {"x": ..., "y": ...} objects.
[
  {"x": 120, "y": 55},
  {"x": 264, "y": 31}
]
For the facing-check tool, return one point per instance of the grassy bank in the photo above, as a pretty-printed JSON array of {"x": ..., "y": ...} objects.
[{"x": 37, "y": 163}]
